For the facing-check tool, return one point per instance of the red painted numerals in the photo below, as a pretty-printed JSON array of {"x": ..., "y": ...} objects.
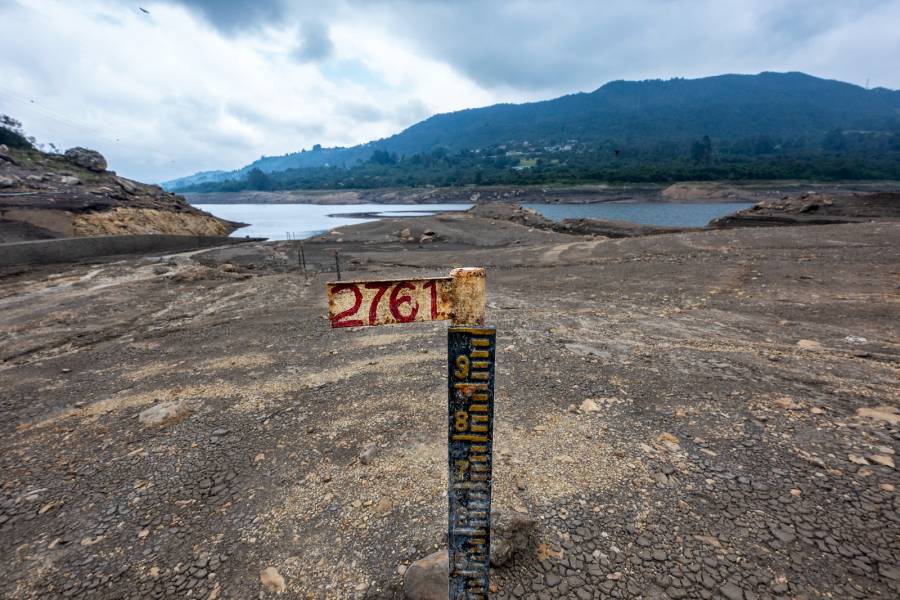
[{"x": 401, "y": 302}]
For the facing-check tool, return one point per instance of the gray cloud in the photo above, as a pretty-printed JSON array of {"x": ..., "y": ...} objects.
[
  {"x": 315, "y": 44},
  {"x": 206, "y": 84},
  {"x": 231, "y": 16},
  {"x": 556, "y": 47}
]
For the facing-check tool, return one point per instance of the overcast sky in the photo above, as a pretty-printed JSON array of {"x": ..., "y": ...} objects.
[{"x": 198, "y": 85}]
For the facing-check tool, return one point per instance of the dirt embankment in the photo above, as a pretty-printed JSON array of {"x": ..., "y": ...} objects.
[
  {"x": 45, "y": 196},
  {"x": 816, "y": 209},
  {"x": 594, "y": 227}
]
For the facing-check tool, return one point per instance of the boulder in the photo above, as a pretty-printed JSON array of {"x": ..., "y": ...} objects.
[
  {"x": 7, "y": 181},
  {"x": 87, "y": 159},
  {"x": 428, "y": 578}
]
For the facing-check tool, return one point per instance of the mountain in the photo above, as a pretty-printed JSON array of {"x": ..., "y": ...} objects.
[{"x": 633, "y": 114}]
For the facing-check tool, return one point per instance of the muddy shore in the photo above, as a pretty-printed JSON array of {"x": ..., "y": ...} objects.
[{"x": 743, "y": 446}]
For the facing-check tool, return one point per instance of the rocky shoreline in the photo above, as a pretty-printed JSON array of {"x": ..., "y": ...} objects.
[{"x": 46, "y": 196}]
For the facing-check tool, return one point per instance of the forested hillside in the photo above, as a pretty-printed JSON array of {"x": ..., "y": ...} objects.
[{"x": 770, "y": 125}]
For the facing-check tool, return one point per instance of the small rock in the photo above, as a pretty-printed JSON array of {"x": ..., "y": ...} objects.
[
  {"x": 160, "y": 269},
  {"x": 69, "y": 180},
  {"x": 881, "y": 413},
  {"x": 367, "y": 455},
  {"x": 732, "y": 592},
  {"x": 891, "y": 572},
  {"x": 882, "y": 459},
  {"x": 809, "y": 345},
  {"x": 272, "y": 580},
  {"x": 787, "y": 402},
  {"x": 667, "y": 437},
  {"x": 384, "y": 507},
  {"x": 7, "y": 181},
  {"x": 166, "y": 412},
  {"x": 588, "y": 405},
  {"x": 857, "y": 460},
  {"x": 428, "y": 578}
]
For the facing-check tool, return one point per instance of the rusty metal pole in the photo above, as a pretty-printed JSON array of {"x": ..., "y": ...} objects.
[
  {"x": 337, "y": 264},
  {"x": 470, "y": 426},
  {"x": 303, "y": 262}
]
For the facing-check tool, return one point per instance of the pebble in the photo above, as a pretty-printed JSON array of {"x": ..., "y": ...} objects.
[{"x": 271, "y": 580}]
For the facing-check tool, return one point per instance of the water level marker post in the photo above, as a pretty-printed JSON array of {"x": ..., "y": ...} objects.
[{"x": 459, "y": 298}]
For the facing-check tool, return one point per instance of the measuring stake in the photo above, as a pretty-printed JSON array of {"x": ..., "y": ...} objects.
[
  {"x": 470, "y": 404},
  {"x": 470, "y": 399}
]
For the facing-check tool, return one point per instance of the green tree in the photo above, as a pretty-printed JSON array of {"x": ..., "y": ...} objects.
[
  {"x": 257, "y": 180},
  {"x": 834, "y": 141},
  {"x": 12, "y": 135},
  {"x": 701, "y": 150}
]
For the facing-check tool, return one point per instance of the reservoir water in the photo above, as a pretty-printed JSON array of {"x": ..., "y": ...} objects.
[
  {"x": 274, "y": 221},
  {"x": 664, "y": 214}
]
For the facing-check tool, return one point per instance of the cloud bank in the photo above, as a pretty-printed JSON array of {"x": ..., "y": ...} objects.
[{"x": 197, "y": 85}]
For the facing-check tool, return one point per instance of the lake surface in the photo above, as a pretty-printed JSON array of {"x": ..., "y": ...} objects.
[
  {"x": 646, "y": 213},
  {"x": 274, "y": 221}
]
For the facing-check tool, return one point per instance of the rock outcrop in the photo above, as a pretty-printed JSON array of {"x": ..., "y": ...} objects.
[
  {"x": 87, "y": 159},
  {"x": 44, "y": 196},
  {"x": 815, "y": 209},
  {"x": 532, "y": 218}
]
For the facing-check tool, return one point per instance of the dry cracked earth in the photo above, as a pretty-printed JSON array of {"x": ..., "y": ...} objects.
[{"x": 700, "y": 415}]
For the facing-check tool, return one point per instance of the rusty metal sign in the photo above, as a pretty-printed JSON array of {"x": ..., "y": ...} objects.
[
  {"x": 359, "y": 303},
  {"x": 459, "y": 297},
  {"x": 470, "y": 401}
]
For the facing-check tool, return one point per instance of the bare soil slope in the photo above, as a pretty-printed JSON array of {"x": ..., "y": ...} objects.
[{"x": 744, "y": 443}]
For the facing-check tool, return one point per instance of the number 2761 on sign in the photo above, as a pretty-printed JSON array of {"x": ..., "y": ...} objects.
[{"x": 360, "y": 303}]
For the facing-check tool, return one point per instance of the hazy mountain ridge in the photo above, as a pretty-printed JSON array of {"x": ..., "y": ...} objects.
[{"x": 627, "y": 113}]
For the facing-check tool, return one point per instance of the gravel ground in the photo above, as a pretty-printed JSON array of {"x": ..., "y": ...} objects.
[{"x": 741, "y": 443}]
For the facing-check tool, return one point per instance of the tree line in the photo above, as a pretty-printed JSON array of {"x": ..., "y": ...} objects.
[{"x": 839, "y": 155}]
